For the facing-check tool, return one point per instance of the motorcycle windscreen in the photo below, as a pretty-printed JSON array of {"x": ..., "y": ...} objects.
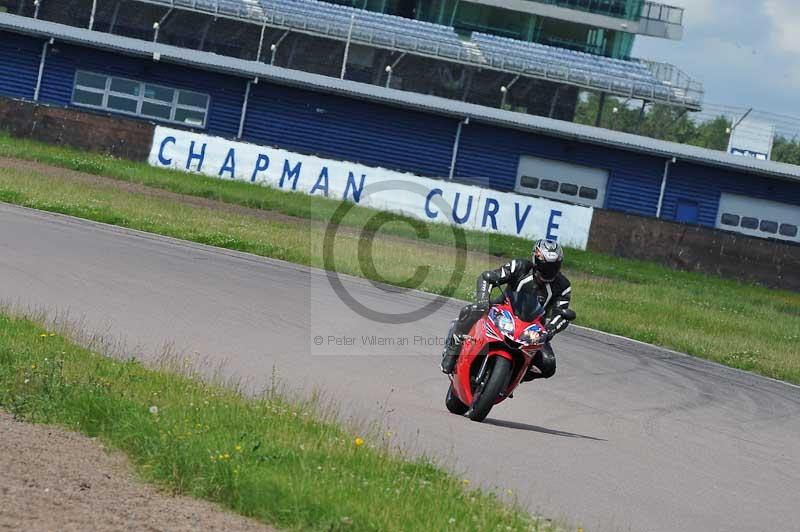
[{"x": 526, "y": 305}]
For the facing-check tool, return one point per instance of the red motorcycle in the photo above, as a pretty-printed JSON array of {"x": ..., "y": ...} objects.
[{"x": 496, "y": 354}]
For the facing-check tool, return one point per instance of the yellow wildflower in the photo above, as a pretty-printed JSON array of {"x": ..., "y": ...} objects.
[{"x": 359, "y": 442}]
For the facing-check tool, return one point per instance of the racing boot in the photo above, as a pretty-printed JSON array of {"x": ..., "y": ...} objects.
[
  {"x": 452, "y": 348},
  {"x": 543, "y": 365},
  {"x": 532, "y": 373}
]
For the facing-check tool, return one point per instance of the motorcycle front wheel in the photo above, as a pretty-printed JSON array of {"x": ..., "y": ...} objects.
[{"x": 487, "y": 391}]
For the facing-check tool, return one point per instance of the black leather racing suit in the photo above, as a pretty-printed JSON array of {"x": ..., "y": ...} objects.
[{"x": 519, "y": 275}]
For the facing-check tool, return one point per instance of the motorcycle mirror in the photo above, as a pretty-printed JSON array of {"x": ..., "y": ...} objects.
[{"x": 569, "y": 314}]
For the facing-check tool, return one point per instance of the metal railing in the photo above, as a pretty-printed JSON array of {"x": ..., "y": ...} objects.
[
  {"x": 679, "y": 90},
  {"x": 672, "y": 75}
]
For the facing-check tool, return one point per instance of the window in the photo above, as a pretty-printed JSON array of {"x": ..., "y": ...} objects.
[
  {"x": 529, "y": 182},
  {"x": 125, "y": 86},
  {"x": 146, "y": 100},
  {"x": 91, "y": 81},
  {"x": 162, "y": 94},
  {"x": 156, "y": 111},
  {"x": 89, "y": 89},
  {"x": 549, "y": 185},
  {"x": 93, "y": 99},
  {"x": 126, "y": 105},
  {"x": 569, "y": 189},
  {"x": 588, "y": 193},
  {"x": 730, "y": 219},
  {"x": 187, "y": 116},
  {"x": 750, "y": 223},
  {"x": 769, "y": 227},
  {"x": 192, "y": 99},
  {"x": 788, "y": 230}
]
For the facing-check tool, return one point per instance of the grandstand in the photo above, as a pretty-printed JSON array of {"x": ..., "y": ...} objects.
[{"x": 535, "y": 59}]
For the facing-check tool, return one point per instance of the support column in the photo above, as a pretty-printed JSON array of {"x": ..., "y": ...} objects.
[
  {"x": 114, "y": 16},
  {"x": 91, "y": 17},
  {"x": 599, "y": 118},
  {"x": 261, "y": 41},
  {"x": 641, "y": 116},
  {"x": 347, "y": 45},
  {"x": 42, "y": 61},
  {"x": 456, "y": 146},
  {"x": 554, "y": 102},
  {"x": 243, "y": 116},
  {"x": 204, "y": 36},
  {"x": 663, "y": 187}
]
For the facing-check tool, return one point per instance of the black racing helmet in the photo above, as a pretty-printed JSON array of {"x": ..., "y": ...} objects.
[{"x": 547, "y": 255}]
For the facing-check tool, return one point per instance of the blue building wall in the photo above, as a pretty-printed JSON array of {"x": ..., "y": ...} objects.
[
  {"x": 378, "y": 135},
  {"x": 704, "y": 185},
  {"x": 227, "y": 93},
  {"x": 354, "y": 130},
  {"x": 19, "y": 64},
  {"x": 490, "y": 152}
]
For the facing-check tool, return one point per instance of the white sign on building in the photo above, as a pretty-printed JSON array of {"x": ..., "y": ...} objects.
[
  {"x": 752, "y": 138},
  {"x": 427, "y": 199}
]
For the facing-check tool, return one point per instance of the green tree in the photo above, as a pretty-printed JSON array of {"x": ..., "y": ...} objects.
[
  {"x": 670, "y": 123},
  {"x": 714, "y": 134},
  {"x": 786, "y": 150}
]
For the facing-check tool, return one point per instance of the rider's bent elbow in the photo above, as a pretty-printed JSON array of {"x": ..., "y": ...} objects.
[{"x": 491, "y": 277}]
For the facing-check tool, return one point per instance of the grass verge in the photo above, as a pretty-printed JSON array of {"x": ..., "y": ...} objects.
[
  {"x": 269, "y": 458},
  {"x": 744, "y": 326}
]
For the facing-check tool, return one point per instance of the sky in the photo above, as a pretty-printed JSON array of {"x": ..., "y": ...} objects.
[{"x": 745, "y": 52}]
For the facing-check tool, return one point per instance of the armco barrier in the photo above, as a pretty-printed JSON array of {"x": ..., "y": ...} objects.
[
  {"x": 430, "y": 200},
  {"x": 694, "y": 248},
  {"x": 121, "y": 137}
]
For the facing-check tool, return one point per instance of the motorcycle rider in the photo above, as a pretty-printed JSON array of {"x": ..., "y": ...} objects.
[{"x": 542, "y": 274}]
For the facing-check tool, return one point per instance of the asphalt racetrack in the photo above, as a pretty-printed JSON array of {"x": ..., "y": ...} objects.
[{"x": 625, "y": 437}]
